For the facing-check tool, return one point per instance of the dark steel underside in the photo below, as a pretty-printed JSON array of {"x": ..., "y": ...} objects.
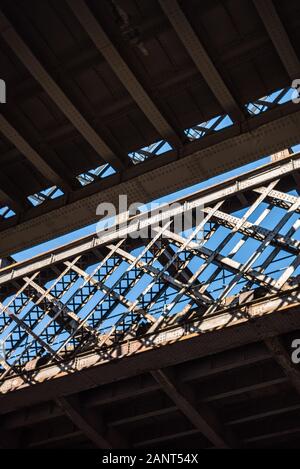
[
  {"x": 255, "y": 401},
  {"x": 198, "y": 357},
  {"x": 89, "y": 82},
  {"x": 81, "y": 111}
]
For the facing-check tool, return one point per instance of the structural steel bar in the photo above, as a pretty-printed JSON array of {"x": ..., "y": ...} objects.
[
  {"x": 178, "y": 336},
  {"x": 227, "y": 149},
  {"x": 204, "y": 420},
  {"x": 24, "y": 147},
  {"x": 279, "y": 37},
  {"x": 119, "y": 66},
  {"x": 200, "y": 57},
  {"x": 20, "y": 48},
  {"x": 203, "y": 198},
  {"x": 127, "y": 284},
  {"x": 76, "y": 415}
]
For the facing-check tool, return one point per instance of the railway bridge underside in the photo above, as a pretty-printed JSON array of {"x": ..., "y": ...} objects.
[{"x": 186, "y": 336}]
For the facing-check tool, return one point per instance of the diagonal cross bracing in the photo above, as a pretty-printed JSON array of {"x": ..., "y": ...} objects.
[{"x": 101, "y": 291}]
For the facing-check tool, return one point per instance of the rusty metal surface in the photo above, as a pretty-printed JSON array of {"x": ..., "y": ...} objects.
[
  {"x": 74, "y": 109},
  {"x": 113, "y": 288},
  {"x": 182, "y": 336}
]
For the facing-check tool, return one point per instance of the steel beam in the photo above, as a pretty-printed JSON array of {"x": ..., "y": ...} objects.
[
  {"x": 203, "y": 368},
  {"x": 269, "y": 311},
  {"x": 251, "y": 180},
  {"x": 223, "y": 261},
  {"x": 153, "y": 272},
  {"x": 260, "y": 408},
  {"x": 11, "y": 196},
  {"x": 22, "y": 51},
  {"x": 67, "y": 318},
  {"x": 30, "y": 154},
  {"x": 108, "y": 291},
  {"x": 137, "y": 417},
  {"x": 255, "y": 231},
  {"x": 269, "y": 436},
  {"x": 166, "y": 438},
  {"x": 51, "y": 434},
  {"x": 251, "y": 387},
  {"x": 200, "y": 57},
  {"x": 279, "y": 37},
  {"x": 284, "y": 360},
  {"x": 83, "y": 422},
  {"x": 279, "y": 198},
  {"x": 203, "y": 420},
  {"x": 140, "y": 183},
  {"x": 121, "y": 69},
  {"x": 89, "y": 308}
]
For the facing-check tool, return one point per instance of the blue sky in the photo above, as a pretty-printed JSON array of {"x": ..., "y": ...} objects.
[
  {"x": 279, "y": 264},
  {"x": 225, "y": 121},
  {"x": 168, "y": 198}
]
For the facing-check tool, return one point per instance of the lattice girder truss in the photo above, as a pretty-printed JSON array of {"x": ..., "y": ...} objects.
[{"x": 105, "y": 289}]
